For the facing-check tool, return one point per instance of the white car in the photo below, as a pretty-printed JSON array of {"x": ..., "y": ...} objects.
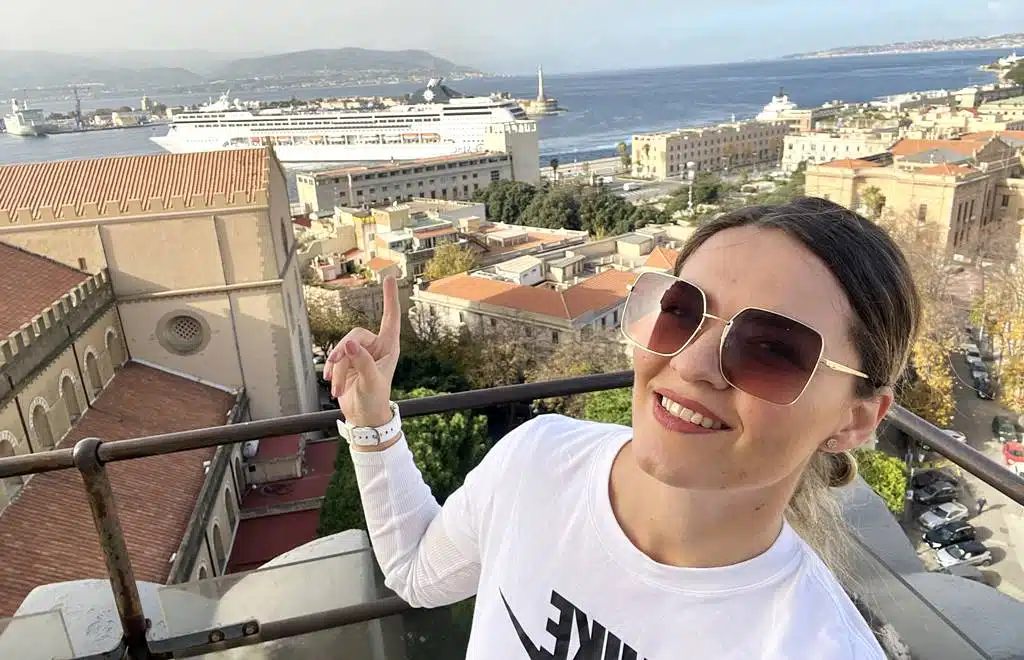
[
  {"x": 970, "y": 553},
  {"x": 970, "y": 349},
  {"x": 942, "y": 514},
  {"x": 956, "y": 435},
  {"x": 975, "y": 362}
]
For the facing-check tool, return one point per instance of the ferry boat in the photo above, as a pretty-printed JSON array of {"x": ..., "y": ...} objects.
[
  {"x": 25, "y": 122},
  {"x": 779, "y": 105},
  {"x": 438, "y": 121}
]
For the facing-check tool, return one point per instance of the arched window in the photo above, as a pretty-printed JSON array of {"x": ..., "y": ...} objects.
[
  {"x": 115, "y": 349},
  {"x": 10, "y": 485},
  {"x": 229, "y": 504},
  {"x": 92, "y": 373},
  {"x": 41, "y": 425},
  {"x": 70, "y": 398},
  {"x": 203, "y": 574},
  {"x": 218, "y": 547}
]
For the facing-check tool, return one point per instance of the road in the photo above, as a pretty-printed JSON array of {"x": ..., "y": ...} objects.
[{"x": 1001, "y": 524}]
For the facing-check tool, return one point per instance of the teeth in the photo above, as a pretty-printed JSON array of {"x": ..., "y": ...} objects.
[{"x": 689, "y": 415}]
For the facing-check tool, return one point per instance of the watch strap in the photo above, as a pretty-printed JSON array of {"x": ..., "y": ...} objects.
[{"x": 371, "y": 436}]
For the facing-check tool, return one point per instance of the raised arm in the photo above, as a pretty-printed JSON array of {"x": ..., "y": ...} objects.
[{"x": 429, "y": 557}]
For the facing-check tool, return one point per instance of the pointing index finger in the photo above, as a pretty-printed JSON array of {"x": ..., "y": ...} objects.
[{"x": 391, "y": 323}]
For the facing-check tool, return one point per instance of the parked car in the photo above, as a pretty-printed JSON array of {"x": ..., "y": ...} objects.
[
  {"x": 1003, "y": 429},
  {"x": 972, "y": 553},
  {"x": 957, "y": 531},
  {"x": 970, "y": 349},
  {"x": 983, "y": 386},
  {"x": 939, "y": 492},
  {"x": 942, "y": 514},
  {"x": 928, "y": 477},
  {"x": 1013, "y": 452}
]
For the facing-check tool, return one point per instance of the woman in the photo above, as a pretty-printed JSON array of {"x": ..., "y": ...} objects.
[{"x": 704, "y": 530}]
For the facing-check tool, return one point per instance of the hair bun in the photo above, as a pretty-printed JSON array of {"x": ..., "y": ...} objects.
[{"x": 842, "y": 469}]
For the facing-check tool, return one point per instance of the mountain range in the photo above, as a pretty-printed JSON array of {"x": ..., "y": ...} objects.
[
  {"x": 166, "y": 69},
  {"x": 1014, "y": 40}
]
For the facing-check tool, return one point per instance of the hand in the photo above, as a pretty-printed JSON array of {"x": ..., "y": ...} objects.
[{"x": 362, "y": 366}]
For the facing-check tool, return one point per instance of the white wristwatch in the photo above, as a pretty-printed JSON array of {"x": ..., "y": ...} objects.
[{"x": 371, "y": 436}]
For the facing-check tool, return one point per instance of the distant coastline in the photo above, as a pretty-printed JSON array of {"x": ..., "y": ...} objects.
[{"x": 1005, "y": 41}]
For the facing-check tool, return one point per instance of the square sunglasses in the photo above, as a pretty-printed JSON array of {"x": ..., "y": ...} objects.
[{"x": 765, "y": 354}]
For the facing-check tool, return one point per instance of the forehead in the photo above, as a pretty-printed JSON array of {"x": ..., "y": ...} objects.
[{"x": 754, "y": 267}]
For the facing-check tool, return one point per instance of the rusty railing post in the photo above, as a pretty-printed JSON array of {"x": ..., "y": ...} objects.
[{"x": 115, "y": 551}]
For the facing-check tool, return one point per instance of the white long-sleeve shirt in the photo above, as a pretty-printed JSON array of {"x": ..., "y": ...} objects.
[{"x": 532, "y": 534}]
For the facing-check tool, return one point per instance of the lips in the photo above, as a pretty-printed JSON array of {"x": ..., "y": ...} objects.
[{"x": 685, "y": 415}]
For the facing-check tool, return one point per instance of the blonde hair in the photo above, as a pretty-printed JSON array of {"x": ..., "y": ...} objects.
[{"x": 815, "y": 514}]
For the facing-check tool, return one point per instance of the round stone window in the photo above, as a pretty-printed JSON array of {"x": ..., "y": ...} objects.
[{"x": 183, "y": 333}]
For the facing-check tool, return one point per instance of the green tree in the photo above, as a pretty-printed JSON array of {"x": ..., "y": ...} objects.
[
  {"x": 1016, "y": 74},
  {"x": 554, "y": 168},
  {"x": 506, "y": 201},
  {"x": 449, "y": 260},
  {"x": 886, "y": 476},
  {"x": 873, "y": 202},
  {"x": 445, "y": 447},
  {"x": 611, "y": 406},
  {"x": 330, "y": 321},
  {"x": 595, "y": 354},
  {"x": 623, "y": 151}
]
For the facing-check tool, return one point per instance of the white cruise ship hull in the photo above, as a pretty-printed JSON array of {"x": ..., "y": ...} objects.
[
  {"x": 15, "y": 127},
  {"x": 325, "y": 153}
]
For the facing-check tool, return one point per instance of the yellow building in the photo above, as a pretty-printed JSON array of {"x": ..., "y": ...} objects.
[
  {"x": 200, "y": 254},
  {"x": 815, "y": 148},
  {"x": 711, "y": 149},
  {"x": 963, "y": 186}
]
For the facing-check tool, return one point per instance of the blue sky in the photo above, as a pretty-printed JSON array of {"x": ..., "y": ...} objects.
[{"x": 512, "y": 36}]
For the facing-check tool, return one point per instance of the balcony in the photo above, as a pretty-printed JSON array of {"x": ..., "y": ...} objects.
[{"x": 329, "y": 595}]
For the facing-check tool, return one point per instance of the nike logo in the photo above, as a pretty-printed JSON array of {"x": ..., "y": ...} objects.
[{"x": 595, "y": 641}]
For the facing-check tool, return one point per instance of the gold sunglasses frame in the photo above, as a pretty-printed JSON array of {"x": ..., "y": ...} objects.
[{"x": 822, "y": 360}]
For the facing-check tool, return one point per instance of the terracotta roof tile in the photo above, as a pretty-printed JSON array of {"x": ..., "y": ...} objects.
[
  {"x": 907, "y": 147},
  {"x": 47, "y": 533},
  {"x": 123, "y": 178},
  {"x": 662, "y": 258},
  {"x": 597, "y": 292},
  {"x": 945, "y": 169},
  {"x": 851, "y": 163},
  {"x": 30, "y": 283},
  {"x": 378, "y": 264}
]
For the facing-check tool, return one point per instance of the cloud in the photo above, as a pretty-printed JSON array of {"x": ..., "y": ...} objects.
[{"x": 995, "y": 7}]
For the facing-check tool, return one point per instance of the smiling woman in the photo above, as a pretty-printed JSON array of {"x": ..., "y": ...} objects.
[{"x": 758, "y": 367}]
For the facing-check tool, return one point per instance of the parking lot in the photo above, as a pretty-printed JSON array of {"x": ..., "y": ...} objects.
[{"x": 1000, "y": 526}]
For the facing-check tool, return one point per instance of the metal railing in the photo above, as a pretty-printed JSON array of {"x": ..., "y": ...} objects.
[{"x": 89, "y": 457}]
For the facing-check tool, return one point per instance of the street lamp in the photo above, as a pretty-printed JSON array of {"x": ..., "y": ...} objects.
[{"x": 691, "y": 174}]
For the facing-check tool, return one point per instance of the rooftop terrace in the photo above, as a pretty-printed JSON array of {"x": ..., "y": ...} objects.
[{"x": 327, "y": 595}]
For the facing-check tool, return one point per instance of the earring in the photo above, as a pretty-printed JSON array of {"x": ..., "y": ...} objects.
[{"x": 831, "y": 444}]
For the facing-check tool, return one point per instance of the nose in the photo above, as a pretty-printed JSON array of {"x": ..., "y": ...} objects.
[{"x": 700, "y": 361}]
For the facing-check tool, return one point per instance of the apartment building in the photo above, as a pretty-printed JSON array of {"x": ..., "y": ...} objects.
[
  {"x": 200, "y": 253},
  {"x": 815, "y": 148},
  {"x": 715, "y": 148},
  {"x": 511, "y": 153},
  {"x": 560, "y": 296},
  {"x": 945, "y": 122},
  {"x": 967, "y": 187},
  {"x": 450, "y": 177}
]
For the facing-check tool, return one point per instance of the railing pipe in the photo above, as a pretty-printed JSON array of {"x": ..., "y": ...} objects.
[{"x": 115, "y": 551}]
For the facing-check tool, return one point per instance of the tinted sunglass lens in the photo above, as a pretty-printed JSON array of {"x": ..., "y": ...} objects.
[
  {"x": 770, "y": 356},
  {"x": 662, "y": 313}
]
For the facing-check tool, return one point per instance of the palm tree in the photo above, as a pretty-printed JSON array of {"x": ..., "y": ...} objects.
[
  {"x": 623, "y": 152},
  {"x": 554, "y": 168}
]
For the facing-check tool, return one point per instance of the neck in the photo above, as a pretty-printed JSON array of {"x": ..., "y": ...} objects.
[{"x": 694, "y": 529}]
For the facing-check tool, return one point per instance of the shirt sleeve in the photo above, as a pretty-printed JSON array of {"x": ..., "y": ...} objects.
[{"x": 430, "y": 555}]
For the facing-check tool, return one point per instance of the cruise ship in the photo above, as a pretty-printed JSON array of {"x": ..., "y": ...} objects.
[
  {"x": 24, "y": 122},
  {"x": 780, "y": 105},
  {"x": 438, "y": 121}
]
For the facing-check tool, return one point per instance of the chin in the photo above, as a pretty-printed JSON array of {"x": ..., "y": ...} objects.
[{"x": 692, "y": 462}]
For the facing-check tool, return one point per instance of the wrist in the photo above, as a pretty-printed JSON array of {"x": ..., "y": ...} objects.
[{"x": 371, "y": 419}]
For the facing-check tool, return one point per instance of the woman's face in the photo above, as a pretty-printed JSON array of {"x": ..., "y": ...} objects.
[{"x": 761, "y": 444}]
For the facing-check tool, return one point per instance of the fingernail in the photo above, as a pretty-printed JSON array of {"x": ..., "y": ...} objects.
[{"x": 350, "y": 347}]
